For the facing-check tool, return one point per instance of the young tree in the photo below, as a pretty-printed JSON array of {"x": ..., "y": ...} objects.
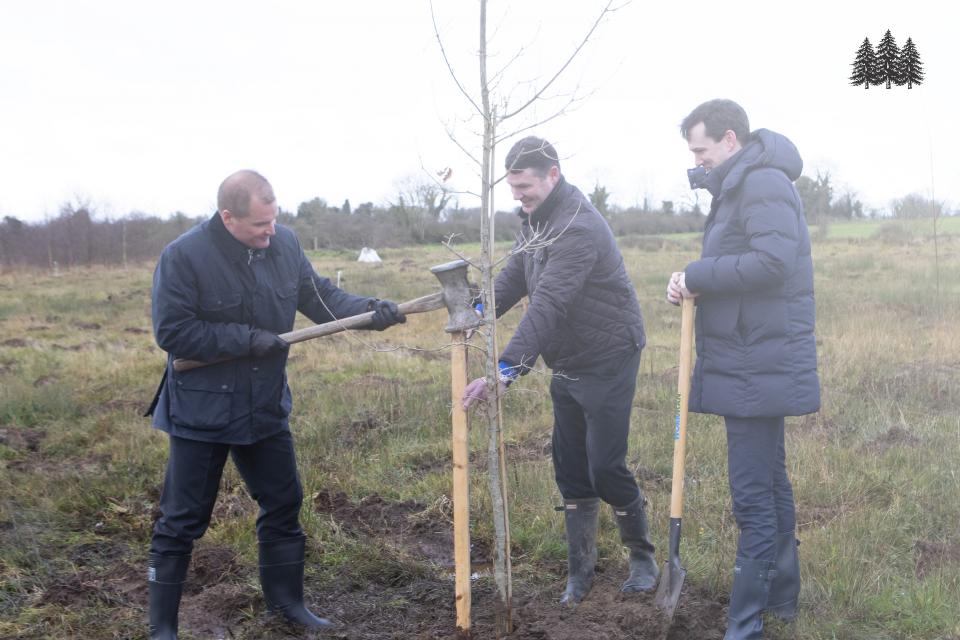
[
  {"x": 864, "y": 66},
  {"x": 888, "y": 60},
  {"x": 910, "y": 67},
  {"x": 497, "y": 110}
]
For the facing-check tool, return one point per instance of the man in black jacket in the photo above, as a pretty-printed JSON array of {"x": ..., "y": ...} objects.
[
  {"x": 756, "y": 351},
  {"x": 584, "y": 320},
  {"x": 224, "y": 290}
]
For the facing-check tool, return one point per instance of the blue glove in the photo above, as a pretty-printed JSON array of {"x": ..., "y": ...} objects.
[{"x": 508, "y": 372}]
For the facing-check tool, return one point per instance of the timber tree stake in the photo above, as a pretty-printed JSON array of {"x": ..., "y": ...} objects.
[{"x": 458, "y": 296}]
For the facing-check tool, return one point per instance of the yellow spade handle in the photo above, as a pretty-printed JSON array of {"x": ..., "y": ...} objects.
[{"x": 683, "y": 399}]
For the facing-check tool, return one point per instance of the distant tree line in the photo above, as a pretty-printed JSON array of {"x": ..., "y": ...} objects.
[{"x": 420, "y": 213}]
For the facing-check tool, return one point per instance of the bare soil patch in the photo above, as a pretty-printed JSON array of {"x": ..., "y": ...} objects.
[
  {"x": 895, "y": 436},
  {"x": 933, "y": 555}
]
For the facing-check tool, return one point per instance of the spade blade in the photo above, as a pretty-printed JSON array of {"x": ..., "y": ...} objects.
[{"x": 671, "y": 583}]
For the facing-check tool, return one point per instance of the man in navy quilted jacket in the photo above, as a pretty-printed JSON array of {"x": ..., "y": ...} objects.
[
  {"x": 756, "y": 351},
  {"x": 584, "y": 321},
  {"x": 224, "y": 290}
]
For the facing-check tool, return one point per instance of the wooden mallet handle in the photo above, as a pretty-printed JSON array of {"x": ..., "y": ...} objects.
[{"x": 423, "y": 304}]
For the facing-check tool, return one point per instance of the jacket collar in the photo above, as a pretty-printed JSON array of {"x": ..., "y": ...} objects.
[
  {"x": 542, "y": 213},
  {"x": 233, "y": 248},
  {"x": 715, "y": 179}
]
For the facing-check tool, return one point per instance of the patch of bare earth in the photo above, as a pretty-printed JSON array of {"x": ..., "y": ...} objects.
[
  {"x": 932, "y": 555},
  {"x": 424, "y": 609},
  {"x": 415, "y": 607},
  {"x": 895, "y": 436},
  {"x": 423, "y": 531}
]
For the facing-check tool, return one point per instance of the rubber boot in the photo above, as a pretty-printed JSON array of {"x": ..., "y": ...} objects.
[
  {"x": 635, "y": 535},
  {"x": 751, "y": 587},
  {"x": 581, "y": 518},
  {"x": 165, "y": 577},
  {"x": 281, "y": 576},
  {"x": 785, "y": 586}
]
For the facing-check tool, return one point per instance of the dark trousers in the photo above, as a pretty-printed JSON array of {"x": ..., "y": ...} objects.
[
  {"x": 591, "y": 411},
  {"x": 761, "y": 492},
  {"x": 268, "y": 468}
]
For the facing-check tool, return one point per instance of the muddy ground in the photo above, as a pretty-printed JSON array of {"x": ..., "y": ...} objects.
[
  {"x": 404, "y": 591},
  {"x": 399, "y": 586}
]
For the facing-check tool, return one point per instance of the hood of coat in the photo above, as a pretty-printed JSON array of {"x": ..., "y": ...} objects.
[{"x": 764, "y": 149}]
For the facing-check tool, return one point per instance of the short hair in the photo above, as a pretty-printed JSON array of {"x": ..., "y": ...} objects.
[
  {"x": 238, "y": 189},
  {"x": 532, "y": 153},
  {"x": 718, "y": 116}
]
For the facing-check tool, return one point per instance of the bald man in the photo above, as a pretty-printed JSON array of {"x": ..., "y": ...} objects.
[{"x": 226, "y": 289}]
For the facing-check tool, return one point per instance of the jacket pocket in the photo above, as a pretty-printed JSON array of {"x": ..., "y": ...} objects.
[
  {"x": 201, "y": 398},
  {"x": 221, "y": 307},
  {"x": 287, "y": 299}
]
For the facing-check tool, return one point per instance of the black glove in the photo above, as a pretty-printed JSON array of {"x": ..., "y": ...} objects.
[
  {"x": 264, "y": 343},
  {"x": 386, "y": 313}
]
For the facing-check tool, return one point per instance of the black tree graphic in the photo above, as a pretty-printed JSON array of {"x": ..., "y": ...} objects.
[
  {"x": 910, "y": 69},
  {"x": 888, "y": 60},
  {"x": 865, "y": 66}
]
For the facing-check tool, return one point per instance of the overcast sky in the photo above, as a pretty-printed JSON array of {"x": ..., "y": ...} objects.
[{"x": 148, "y": 106}]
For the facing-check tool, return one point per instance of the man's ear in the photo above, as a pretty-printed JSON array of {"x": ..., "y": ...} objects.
[
  {"x": 554, "y": 173},
  {"x": 226, "y": 216},
  {"x": 730, "y": 139}
]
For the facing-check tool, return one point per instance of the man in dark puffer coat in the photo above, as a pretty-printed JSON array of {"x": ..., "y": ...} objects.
[
  {"x": 584, "y": 321},
  {"x": 756, "y": 352}
]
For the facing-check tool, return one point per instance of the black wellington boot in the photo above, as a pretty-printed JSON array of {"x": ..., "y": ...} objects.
[
  {"x": 281, "y": 576},
  {"x": 581, "y": 518},
  {"x": 785, "y": 586},
  {"x": 165, "y": 577},
  {"x": 634, "y": 533},
  {"x": 751, "y": 587}
]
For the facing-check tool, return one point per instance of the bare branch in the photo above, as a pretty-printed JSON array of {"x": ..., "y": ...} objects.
[
  {"x": 607, "y": 9},
  {"x": 448, "y": 243},
  {"x": 443, "y": 52},
  {"x": 466, "y": 151}
]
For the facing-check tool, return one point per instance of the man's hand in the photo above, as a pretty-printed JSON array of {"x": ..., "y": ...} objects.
[
  {"x": 385, "y": 314},
  {"x": 476, "y": 392},
  {"x": 677, "y": 288},
  {"x": 264, "y": 343}
]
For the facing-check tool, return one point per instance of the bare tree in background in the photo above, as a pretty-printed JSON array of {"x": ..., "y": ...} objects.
[{"x": 501, "y": 120}]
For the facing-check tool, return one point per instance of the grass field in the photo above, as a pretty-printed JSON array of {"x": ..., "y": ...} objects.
[{"x": 876, "y": 471}]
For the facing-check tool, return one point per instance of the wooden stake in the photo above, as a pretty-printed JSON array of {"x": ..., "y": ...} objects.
[{"x": 461, "y": 482}]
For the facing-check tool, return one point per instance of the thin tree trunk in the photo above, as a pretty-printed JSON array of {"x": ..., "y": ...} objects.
[{"x": 503, "y": 615}]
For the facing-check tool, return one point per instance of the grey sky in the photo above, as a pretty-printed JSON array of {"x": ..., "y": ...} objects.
[{"x": 139, "y": 106}]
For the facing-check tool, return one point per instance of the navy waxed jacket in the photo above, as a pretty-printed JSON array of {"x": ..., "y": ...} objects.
[
  {"x": 756, "y": 350},
  {"x": 209, "y": 292}
]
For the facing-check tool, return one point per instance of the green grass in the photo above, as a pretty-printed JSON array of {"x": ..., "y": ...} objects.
[
  {"x": 863, "y": 229},
  {"x": 875, "y": 472}
]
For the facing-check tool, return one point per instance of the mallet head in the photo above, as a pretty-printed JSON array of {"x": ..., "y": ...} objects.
[{"x": 457, "y": 296}]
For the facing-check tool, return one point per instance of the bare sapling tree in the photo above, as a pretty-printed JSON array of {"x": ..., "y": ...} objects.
[{"x": 502, "y": 120}]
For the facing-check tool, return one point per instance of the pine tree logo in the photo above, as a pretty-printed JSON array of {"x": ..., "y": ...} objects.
[
  {"x": 865, "y": 66},
  {"x": 911, "y": 69},
  {"x": 888, "y": 64}
]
